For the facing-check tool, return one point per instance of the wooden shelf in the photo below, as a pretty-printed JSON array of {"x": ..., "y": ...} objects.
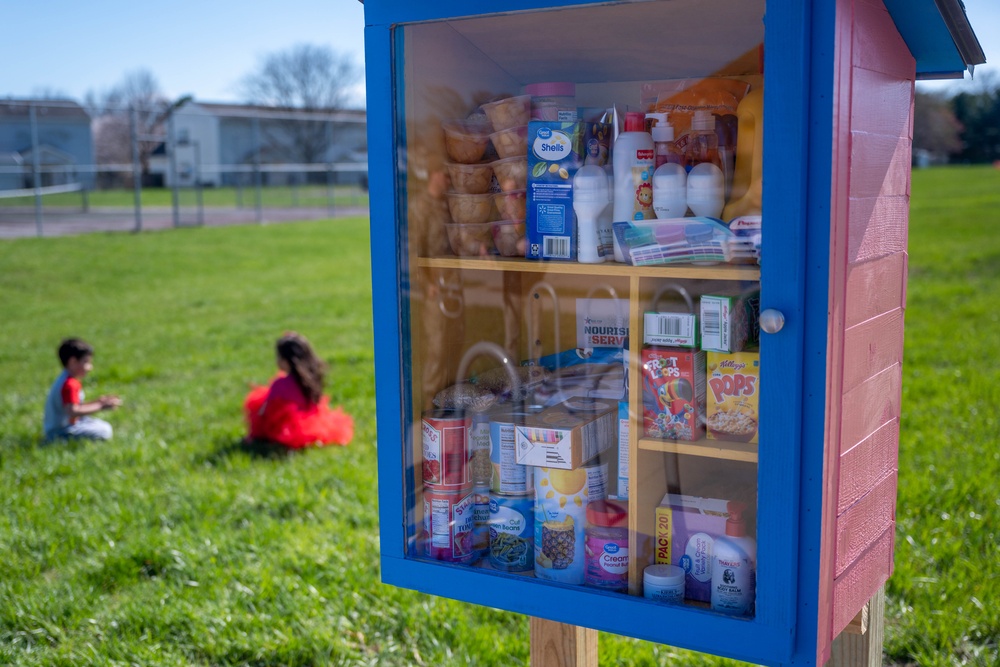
[
  {"x": 716, "y": 449},
  {"x": 517, "y": 264}
]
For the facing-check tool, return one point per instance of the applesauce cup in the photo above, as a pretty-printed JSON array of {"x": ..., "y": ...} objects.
[
  {"x": 473, "y": 239},
  {"x": 470, "y": 209},
  {"x": 472, "y": 179},
  {"x": 512, "y": 173},
  {"x": 512, "y": 205},
  {"x": 466, "y": 140},
  {"x": 509, "y": 238},
  {"x": 512, "y": 142},
  {"x": 509, "y": 112}
]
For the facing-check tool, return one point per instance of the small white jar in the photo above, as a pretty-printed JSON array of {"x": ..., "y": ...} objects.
[{"x": 663, "y": 583}]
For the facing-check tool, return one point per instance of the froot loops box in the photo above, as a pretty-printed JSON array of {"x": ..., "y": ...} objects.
[{"x": 673, "y": 393}]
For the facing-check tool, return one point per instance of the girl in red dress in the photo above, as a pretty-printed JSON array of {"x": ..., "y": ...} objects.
[{"x": 292, "y": 410}]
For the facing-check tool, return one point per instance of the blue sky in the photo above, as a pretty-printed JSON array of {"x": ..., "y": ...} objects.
[{"x": 204, "y": 48}]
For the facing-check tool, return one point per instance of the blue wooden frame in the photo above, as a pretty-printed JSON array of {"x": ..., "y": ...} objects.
[{"x": 798, "y": 122}]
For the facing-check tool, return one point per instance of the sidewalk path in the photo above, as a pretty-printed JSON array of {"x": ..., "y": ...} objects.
[{"x": 20, "y": 222}]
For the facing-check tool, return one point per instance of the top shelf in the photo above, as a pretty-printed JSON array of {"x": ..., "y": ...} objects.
[{"x": 516, "y": 264}]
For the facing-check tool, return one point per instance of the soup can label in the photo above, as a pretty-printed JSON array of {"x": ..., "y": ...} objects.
[
  {"x": 561, "y": 499},
  {"x": 509, "y": 477},
  {"x": 481, "y": 520},
  {"x": 511, "y": 532},
  {"x": 446, "y": 449},
  {"x": 449, "y": 524},
  {"x": 479, "y": 448}
]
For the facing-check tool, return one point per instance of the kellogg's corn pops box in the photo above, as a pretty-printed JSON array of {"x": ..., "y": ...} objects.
[{"x": 733, "y": 396}]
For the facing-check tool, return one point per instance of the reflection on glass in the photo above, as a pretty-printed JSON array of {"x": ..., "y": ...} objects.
[{"x": 584, "y": 402}]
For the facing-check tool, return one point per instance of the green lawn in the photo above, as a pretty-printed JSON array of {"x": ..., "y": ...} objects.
[
  {"x": 306, "y": 196},
  {"x": 170, "y": 546}
]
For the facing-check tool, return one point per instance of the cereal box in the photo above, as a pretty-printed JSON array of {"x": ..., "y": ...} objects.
[
  {"x": 733, "y": 396},
  {"x": 673, "y": 393}
]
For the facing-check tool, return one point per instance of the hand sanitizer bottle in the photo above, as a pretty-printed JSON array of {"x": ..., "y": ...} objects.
[{"x": 734, "y": 567}]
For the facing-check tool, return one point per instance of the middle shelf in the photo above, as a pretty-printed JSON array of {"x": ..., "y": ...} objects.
[
  {"x": 515, "y": 264},
  {"x": 715, "y": 449}
]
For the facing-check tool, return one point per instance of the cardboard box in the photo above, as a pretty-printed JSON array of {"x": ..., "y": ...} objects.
[
  {"x": 670, "y": 329},
  {"x": 623, "y": 452},
  {"x": 685, "y": 533},
  {"x": 569, "y": 434},
  {"x": 732, "y": 411},
  {"x": 556, "y": 150},
  {"x": 730, "y": 322},
  {"x": 673, "y": 393}
]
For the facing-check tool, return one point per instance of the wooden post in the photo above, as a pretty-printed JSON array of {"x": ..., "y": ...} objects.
[
  {"x": 860, "y": 644},
  {"x": 560, "y": 645}
]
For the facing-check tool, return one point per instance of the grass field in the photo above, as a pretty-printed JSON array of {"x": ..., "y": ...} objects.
[
  {"x": 306, "y": 196},
  {"x": 172, "y": 546}
]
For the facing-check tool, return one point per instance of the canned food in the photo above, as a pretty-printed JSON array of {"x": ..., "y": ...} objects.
[
  {"x": 509, "y": 477},
  {"x": 561, "y": 500},
  {"x": 479, "y": 448},
  {"x": 446, "y": 449},
  {"x": 449, "y": 523},
  {"x": 481, "y": 521},
  {"x": 512, "y": 532}
]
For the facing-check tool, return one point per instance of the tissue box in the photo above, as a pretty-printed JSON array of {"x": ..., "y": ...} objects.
[{"x": 569, "y": 434}]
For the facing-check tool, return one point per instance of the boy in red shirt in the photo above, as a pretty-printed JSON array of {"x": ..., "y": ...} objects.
[{"x": 66, "y": 413}]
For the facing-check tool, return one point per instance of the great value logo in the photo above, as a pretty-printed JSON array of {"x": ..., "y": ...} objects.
[{"x": 552, "y": 145}]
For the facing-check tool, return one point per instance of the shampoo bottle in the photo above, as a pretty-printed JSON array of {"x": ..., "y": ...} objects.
[
  {"x": 633, "y": 168},
  {"x": 734, "y": 567}
]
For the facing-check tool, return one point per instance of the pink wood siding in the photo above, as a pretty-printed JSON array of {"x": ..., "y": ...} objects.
[{"x": 873, "y": 98}]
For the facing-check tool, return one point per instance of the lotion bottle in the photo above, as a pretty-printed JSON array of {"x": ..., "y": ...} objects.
[
  {"x": 590, "y": 199},
  {"x": 734, "y": 567},
  {"x": 633, "y": 169}
]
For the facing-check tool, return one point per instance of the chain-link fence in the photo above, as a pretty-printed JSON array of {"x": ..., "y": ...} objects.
[{"x": 66, "y": 169}]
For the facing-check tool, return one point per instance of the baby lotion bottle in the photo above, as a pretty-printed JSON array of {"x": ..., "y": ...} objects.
[
  {"x": 633, "y": 168},
  {"x": 734, "y": 567},
  {"x": 590, "y": 199}
]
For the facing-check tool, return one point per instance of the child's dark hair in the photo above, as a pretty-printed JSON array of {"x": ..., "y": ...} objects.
[
  {"x": 74, "y": 348},
  {"x": 303, "y": 365}
]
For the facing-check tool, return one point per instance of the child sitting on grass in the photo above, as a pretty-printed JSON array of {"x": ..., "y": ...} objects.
[
  {"x": 66, "y": 414},
  {"x": 292, "y": 410}
]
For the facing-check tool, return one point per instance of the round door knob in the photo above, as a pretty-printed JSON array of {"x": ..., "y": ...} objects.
[{"x": 771, "y": 320}]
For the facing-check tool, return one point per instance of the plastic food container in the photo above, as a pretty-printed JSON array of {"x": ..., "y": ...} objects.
[
  {"x": 512, "y": 205},
  {"x": 471, "y": 239},
  {"x": 512, "y": 142},
  {"x": 512, "y": 173},
  {"x": 470, "y": 178},
  {"x": 508, "y": 236},
  {"x": 466, "y": 140},
  {"x": 470, "y": 209},
  {"x": 509, "y": 112},
  {"x": 552, "y": 101}
]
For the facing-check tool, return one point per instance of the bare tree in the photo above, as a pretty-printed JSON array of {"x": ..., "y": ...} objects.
[
  {"x": 111, "y": 112},
  {"x": 305, "y": 77}
]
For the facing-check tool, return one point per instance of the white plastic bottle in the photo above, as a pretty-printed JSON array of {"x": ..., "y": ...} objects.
[
  {"x": 734, "y": 567},
  {"x": 590, "y": 199},
  {"x": 670, "y": 191},
  {"x": 633, "y": 168},
  {"x": 706, "y": 190}
]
